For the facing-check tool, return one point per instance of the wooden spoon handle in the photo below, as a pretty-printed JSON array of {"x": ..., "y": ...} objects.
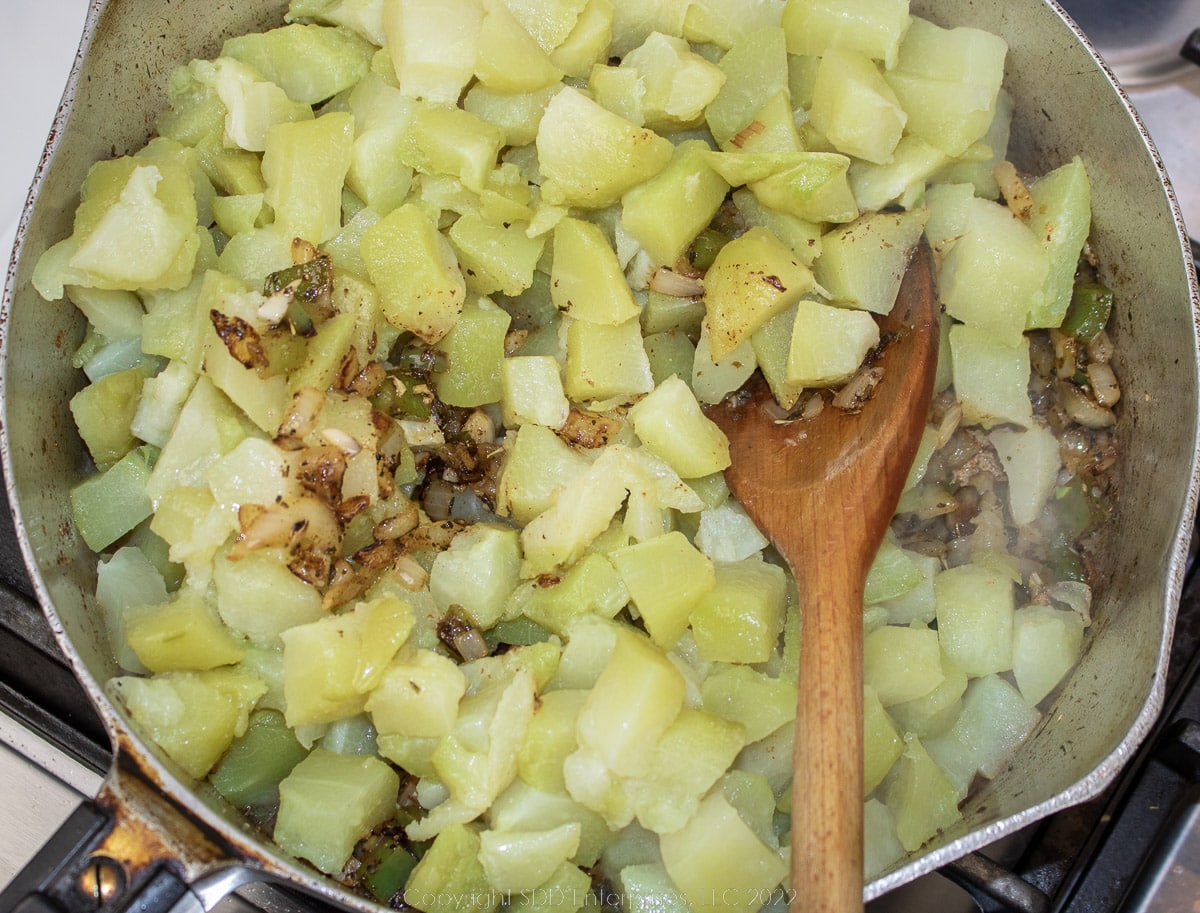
[{"x": 827, "y": 789}]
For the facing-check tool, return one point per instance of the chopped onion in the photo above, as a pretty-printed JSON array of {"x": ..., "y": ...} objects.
[
  {"x": 1101, "y": 348},
  {"x": 438, "y": 499},
  {"x": 301, "y": 417},
  {"x": 1104, "y": 384},
  {"x": 341, "y": 440},
  {"x": 1074, "y": 594},
  {"x": 949, "y": 424},
  {"x": 859, "y": 389},
  {"x": 1082, "y": 410},
  {"x": 411, "y": 575},
  {"x": 677, "y": 285}
]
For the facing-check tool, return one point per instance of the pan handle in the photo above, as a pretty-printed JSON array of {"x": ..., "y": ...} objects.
[{"x": 127, "y": 850}]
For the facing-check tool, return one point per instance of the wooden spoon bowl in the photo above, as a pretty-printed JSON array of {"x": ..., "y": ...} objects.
[{"x": 824, "y": 490}]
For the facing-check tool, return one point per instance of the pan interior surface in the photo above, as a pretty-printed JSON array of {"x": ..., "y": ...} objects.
[{"x": 1066, "y": 104}]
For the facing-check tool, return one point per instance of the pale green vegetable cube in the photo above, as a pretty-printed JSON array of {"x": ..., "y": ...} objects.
[
  {"x": 517, "y": 115},
  {"x": 716, "y": 854},
  {"x": 726, "y": 533},
  {"x": 893, "y": 572},
  {"x": 523, "y": 808},
  {"x": 992, "y": 277},
  {"x": 538, "y": 465},
  {"x": 474, "y": 350},
  {"x": 450, "y": 876},
  {"x": 882, "y": 744},
  {"x": 666, "y": 576},
  {"x": 521, "y": 861},
  {"x": 855, "y": 108},
  {"x": 936, "y": 711},
  {"x": 590, "y": 586},
  {"x": 421, "y": 286},
  {"x": 331, "y": 801},
  {"x": 1046, "y": 646},
  {"x": 455, "y": 143},
  {"x": 252, "y": 104},
  {"x": 1031, "y": 462},
  {"x": 549, "y": 22},
  {"x": 947, "y": 81},
  {"x": 606, "y": 362},
  {"x": 670, "y": 422},
  {"x": 477, "y": 572},
  {"x": 713, "y": 379},
  {"x": 637, "y": 696},
  {"x": 237, "y": 214},
  {"x": 1061, "y": 220},
  {"x": 434, "y": 45},
  {"x": 771, "y": 344},
  {"x": 647, "y": 888},
  {"x": 510, "y": 60},
  {"x": 918, "y": 603},
  {"x": 125, "y": 580},
  {"x": 902, "y": 664},
  {"x": 417, "y": 696},
  {"x": 694, "y": 752},
  {"x": 922, "y": 799},
  {"x": 550, "y": 739},
  {"x": 873, "y": 28},
  {"x": 671, "y": 354},
  {"x": 589, "y": 156},
  {"x": 666, "y": 313},
  {"x": 862, "y": 264},
  {"x": 995, "y": 719},
  {"x": 975, "y": 618},
  {"x": 586, "y": 280},
  {"x": 744, "y": 695},
  {"x": 881, "y": 847},
  {"x": 495, "y": 258},
  {"x": 311, "y": 63},
  {"x": 752, "y": 279},
  {"x": 667, "y": 212},
  {"x": 259, "y": 597},
  {"x": 193, "y": 526},
  {"x": 107, "y": 506},
  {"x": 740, "y": 619},
  {"x": 192, "y": 716},
  {"x": 632, "y": 23},
  {"x": 533, "y": 392},
  {"x": 103, "y": 413},
  {"x": 913, "y": 161},
  {"x": 324, "y": 354},
  {"x": 828, "y": 344},
  {"x": 991, "y": 377},
  {"x": 677, "y": 83},
  {"x": 619, "y": 90},
  {"x": 304, "y": 166},
  {"x": 755, "y": 69},
  {"x": 715, "y": 22},
  {"x": 816, "y": 188},
  {"x": 184, "y": 633},
  {"x": 331, "y": 665}
]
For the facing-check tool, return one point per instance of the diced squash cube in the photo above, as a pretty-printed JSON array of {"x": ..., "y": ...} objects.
[
  {"x": 495, "y": 258},
  {"x": 107, "y": 506},
  {"x": 586, "y": 280},
  {"x": 936, "y": 712},
  {"x": 539, "y": 464},
  {"x": 947, "y": 81},
  {"x": 913, "y": 161},
  {"x": 881, "y": 847},
  {"x": 922, "y": 799},
  {"x": 740, "y": 619},
  {"x": 521, "y": 861},
  {"x": 418, "y": 696},
  {"x": 1031, "y": 462},
  {"x": 755, "y": 68},
  {"x": 667, "y": 212},
  {"x": 1046, "y": 645},
  {"x": 828, "y": 344},
  {"x": 874, "y": 28},
  {"x": 716, "y": 854},
  {"x": 103, "y": 412},
  {"x": 192, "y": 716},
  {"x": 183, "y": 634},
  {"x": 882, "y": 745},
  {"x": 666, "y": 576},
  {"x": 305, "y": 166},
  {"x": 257, "y": 761},
  {"x": 477, "y": 572},
  {"x": 259, "y": 580},
  {"x": 311, "y": 63},
  {"x": 677, "y": 83},
  {"x": 590, "y": 586},
  {"x": 893, "y": 573},
  {"x": 454, "y": 142},
  {"x": 744, "y": 695},
  {"x": 474, "y": 350},
  {"x": 713, "y": 379},
  {"x": 421, "y": 287},
  {"x": 589, "y": 156},
  {"x": 991, "y": 377},
  {"x": 450, "y": 876},
  {"x": 606, "y": 362},
  {"x": 670, "y": 422},
  {"x": 1061, "y": 220},
  {"x": 533, "y": 392},
  {"x": 855, "y": 108},
  {"x": 637, "y": 696},
  {"x": 975, "y": 618},
  {"x": 862, "y": 264},
  {"x": 993, "y": 276},
  {"x": 753, "y": 278},
  {"x": 995, "y": 719},
  {"x": 434, "y": 45},
  {"x": 902, "y": 664},
  {"x": 252, "y": 103},
  {"x": 331, "y": 665},
  {"x": 510, "y": 60},
  {"x": 331, "y": 801}
]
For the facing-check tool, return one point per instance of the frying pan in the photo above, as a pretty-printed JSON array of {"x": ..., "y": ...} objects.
[{"x": 158, "y": 841}]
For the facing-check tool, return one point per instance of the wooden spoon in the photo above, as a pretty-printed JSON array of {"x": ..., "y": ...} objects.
[{"x": 824, "y": 490}]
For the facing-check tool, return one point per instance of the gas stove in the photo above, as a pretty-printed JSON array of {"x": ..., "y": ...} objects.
[{"x": 1135, "y": 848}]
